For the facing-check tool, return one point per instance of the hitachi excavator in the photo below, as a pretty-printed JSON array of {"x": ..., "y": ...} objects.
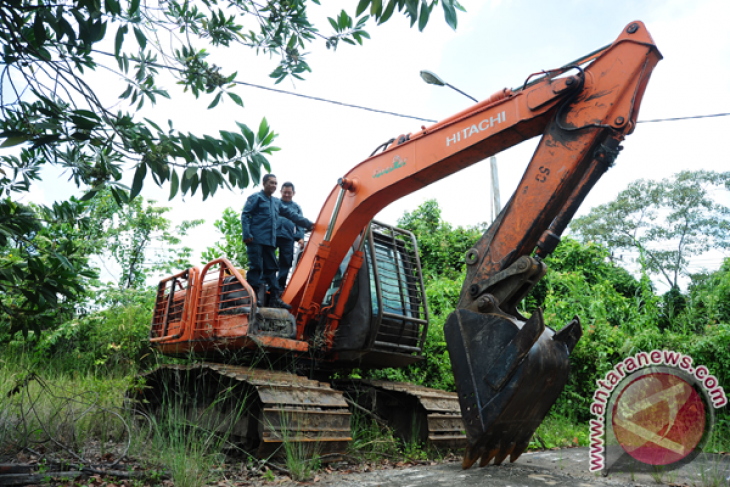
[{"x": 357, "y": 293}]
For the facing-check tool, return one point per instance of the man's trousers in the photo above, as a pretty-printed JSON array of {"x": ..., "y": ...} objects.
[
  {"x": 286, "y": 256},
  {"x": 262, "y": 266}
]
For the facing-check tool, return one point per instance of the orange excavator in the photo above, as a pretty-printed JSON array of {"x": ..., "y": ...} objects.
[{"x": 358, "y": 297}]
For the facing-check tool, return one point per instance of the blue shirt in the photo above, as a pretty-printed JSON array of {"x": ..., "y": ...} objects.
[
  {"x": 286, "y": 228},
  {"x": 260, "y": 216}
]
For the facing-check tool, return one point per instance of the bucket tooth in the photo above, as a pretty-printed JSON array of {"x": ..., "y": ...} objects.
[
  {"x": 487, "y": 457},
  {"x": 504, "y": 453},
  {"x": 470, "y": 456},
  {"x": 518, "y": 451}
]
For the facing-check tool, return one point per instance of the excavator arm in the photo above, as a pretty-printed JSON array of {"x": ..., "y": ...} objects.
[{"x": 509, "y": 370}]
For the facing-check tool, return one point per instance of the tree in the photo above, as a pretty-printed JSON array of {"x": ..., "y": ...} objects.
[
  {"x": 231, "y": 244},
  {"x": 441, "y": 247},
  {"x": 139, "y": 239},
  {"x": 52, "y": 112},
  {"x": 50, "y": 106},
  {"x": 43, "y": 266},
  {"x": 666, "y": 221}
]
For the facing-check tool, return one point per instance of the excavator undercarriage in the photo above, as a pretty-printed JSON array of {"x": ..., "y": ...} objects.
[{"x": 357, "y": 294}]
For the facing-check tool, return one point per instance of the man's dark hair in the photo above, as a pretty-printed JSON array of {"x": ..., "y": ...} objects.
[
  {"x": 267, "y": 177},
  {"x": 288, "y": 185}
]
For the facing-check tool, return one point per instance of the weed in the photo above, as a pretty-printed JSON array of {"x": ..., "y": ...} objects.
[
  {"x": 370, "y": 440},
  {"x": 657, "y": 473},
  {"x": 269, "y": 476},
  {"x": 301, "y": 457},
  {"x": 556, "y": 431}
]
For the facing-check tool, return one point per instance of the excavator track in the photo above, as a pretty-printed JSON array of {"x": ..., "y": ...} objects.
[
  {"x": 261, "y": 409},
  {"x": 415, "y": 413}
]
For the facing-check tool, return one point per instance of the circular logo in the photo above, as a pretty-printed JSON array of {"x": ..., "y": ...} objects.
[{"x": 658, "y": 418}]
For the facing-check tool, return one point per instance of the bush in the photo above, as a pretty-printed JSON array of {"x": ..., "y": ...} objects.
[{"x": 114, "y": 338}]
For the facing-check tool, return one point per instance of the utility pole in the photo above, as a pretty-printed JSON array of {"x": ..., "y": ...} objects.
[{"x": 495, "y": 206}]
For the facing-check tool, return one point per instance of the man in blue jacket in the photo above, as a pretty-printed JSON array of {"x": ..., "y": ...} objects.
[
  {"x": 259, "y": 224},
  {"x": 286, "y": 234}
]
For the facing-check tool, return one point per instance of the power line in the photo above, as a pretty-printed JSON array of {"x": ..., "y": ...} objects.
[
  {"x": 333, "y": 101},
  {"x": 683, "y": 118}
]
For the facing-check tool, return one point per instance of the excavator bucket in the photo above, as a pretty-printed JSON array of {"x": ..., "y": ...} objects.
[{"x": 508, "y": 375}]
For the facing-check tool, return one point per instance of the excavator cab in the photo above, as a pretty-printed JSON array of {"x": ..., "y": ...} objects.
[{"x": 385, "y": 319}]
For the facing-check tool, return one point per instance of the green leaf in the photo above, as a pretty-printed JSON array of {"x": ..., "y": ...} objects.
[
  {"x": 133, "y": 8},
  {"x": 255, "y": 169},
  {"x": 230, "y": 149},
  {"x": 263, "y": 129},
  {"x": 361, "y": 7},
  {"x": 450, "y": 13},
  {"x": 140, "y": 37},
  {"x": 139, "y": 176},
  {"x": 154, "y": 125},
  {"x": 64, "y": 261},
  {"x": 237, "y": 99},
  {"x": 113, "y": 6},
  {"x": 174, "y": 183},
  {"x": 88, "y": 195},
  {"x": 190, "y": 172},
  {"x": 212, "y": 181},
  {"x": 215, "y": 100},
  {"x": 376, "y": 8},
  {"x": 119, "y": 40},
  {"x": 14, "y": 140},
  {"x": 39, "y": 30},
  {"x": 386, "y": 15},
  {"x": 204, "y": 183},
  {"x": 423, "y": 19},
  {"x": 248, "y": 133}
]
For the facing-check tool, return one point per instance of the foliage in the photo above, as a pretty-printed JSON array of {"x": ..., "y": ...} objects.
[
  {"x": 47, "y": 263},
  {"x": 231, "y": 243},
  {"x": 708, "y": 300},
  {"x": 43, "y": 269},
  {"x": 114, "y": 338},
  {"x": 441, "y": 246},
  {"x": 593, "y": 262},
  {"x": 668, "y": 221},
  {"x": 128, "y": 234}
]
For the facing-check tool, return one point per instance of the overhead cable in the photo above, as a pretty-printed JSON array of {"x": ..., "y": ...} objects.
[
  {"x": 683, "y": 118},
  {"x": 333, "y": 102}
]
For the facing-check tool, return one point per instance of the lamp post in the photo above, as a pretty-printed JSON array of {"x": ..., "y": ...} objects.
[{"x": 432, "y": 79}]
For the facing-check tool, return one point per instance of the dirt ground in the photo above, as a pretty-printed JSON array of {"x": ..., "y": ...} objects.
[{"x": 564, "y": 467}]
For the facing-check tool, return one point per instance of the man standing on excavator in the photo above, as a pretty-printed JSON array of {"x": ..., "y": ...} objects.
[
  {"x": 259, "y": 224},
  {"x": 286, "y": 234}
]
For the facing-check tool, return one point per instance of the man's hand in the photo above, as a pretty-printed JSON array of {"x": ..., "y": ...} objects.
[
  {"x": 248, "y": 240},
  {"x": 301, "y": 242}
]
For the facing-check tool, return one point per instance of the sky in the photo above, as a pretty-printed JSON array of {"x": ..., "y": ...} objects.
[{"x": 497, "y": 44}]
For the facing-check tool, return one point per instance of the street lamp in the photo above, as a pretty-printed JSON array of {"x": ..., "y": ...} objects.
[{"x": 432, "y": 79}]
